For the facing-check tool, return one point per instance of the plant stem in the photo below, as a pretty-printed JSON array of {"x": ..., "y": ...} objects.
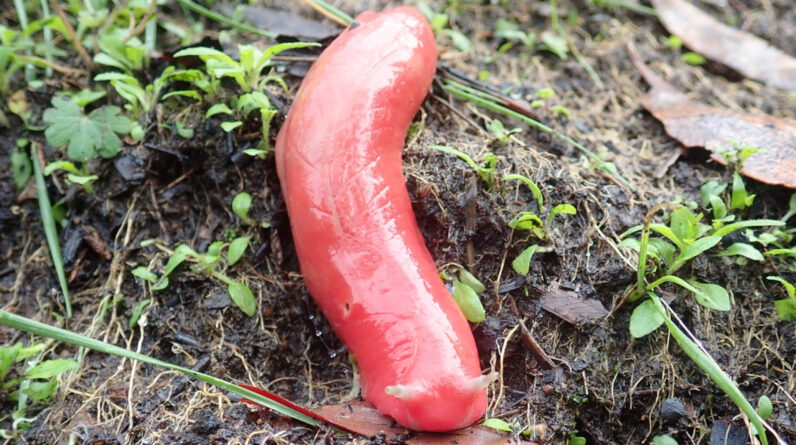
[
  {"x": 331, "y": 12},
  {"x": 50, "y": 231},
  {"x": 199, "y": 9}
]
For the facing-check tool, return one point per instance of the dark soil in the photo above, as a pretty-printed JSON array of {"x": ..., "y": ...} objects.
[{"x": 604, "y": 386}]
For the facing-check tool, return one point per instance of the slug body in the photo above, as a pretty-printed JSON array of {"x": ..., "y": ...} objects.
[{"x": 363, "y": 258}]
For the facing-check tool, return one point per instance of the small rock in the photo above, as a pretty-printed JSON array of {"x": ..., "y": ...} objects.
[
  {"x": 672, "y": 410},
  {"x": 218, "y": 299}
]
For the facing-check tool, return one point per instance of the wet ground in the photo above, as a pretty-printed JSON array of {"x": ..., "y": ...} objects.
[{"x": 603, "y": 385}]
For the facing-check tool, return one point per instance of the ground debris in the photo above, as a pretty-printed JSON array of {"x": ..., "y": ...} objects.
[
  {"x": 749, "y": 55},
  {"x": 718, "y": 130}
]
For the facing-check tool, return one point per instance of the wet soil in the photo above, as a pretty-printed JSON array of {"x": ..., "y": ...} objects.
[{"x": 603, "y": 386}]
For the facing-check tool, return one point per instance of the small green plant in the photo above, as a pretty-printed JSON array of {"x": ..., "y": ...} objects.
[
  {"x": 486, "y": 170},
  {"x": 241, "y": 204},
  {"x": 208, "y": 264},
  {"x": 86, "y": 136},
  {"x": 511, "y": 33},
  {"x": 786, "y": 307},
  {"x": 34, "y": 382},
  {"x": 693, "y": 58},
  {"x": 466, "y": 290},
  {"x": 21, "y": 168},
  {"x": 500, "y": 425},
  {"x": 141, "y": 100},
  {"x": 439, "y": 23},
  {"x": 246, "y": 71},
  {"x": 500, "y": 133},
  {"x": 75, "y": 175}
]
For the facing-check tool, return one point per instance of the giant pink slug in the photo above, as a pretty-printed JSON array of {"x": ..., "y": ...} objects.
[{"x": 363, "y": 258}]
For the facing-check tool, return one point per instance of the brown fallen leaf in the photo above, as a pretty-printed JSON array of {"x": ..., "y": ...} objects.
[
  {"x": 697, "y": 125},
  {"x": 745, "y": 53},
  {"x": 568, "y": 306},
  {"x": 363, "y": 418}
]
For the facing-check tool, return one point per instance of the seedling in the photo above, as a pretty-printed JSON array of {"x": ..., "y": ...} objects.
[
  {"x": 34, "y": 383},
  {"x": 87, "y": 136},
  {"x": 79, "y": 176},
  {"x": 207, "y": 264},
  {"x": 486, "y": 170},
  {"x": 241, "y": 204},
  {"x": 142, "y": 100},
  {"x": 500, "y": 133},
  {"x": 693, "y": 58},
  {"x": 466, "y": 290},
  {"x": 511, "y": 32},
  {"x": 439, "y": 23},
  {"x": 248, "y": 70},
  {"x": 500, "y": 425},
  {"x": 21, "y": 167}
]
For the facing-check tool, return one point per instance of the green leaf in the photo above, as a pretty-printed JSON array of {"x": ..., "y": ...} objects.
[
  {"x": 711, "y": 296},
  {"x": 693, "y": 58},
  {"x": 522, "y": 263},
  {"x": 789, "y": 288},
  {"x": 577, "y": 440},
  {"x": 470, "y": 280},
  {"x": 684, "y": 224},
  {"x": 217, "y": 109},
  {"x": 178, "y": 257},
  {"x": 711, "y": 188},
  {"x": 137, "y": 310},
  {"x": 41, "y": 391},
  {"x": 663, "y": 439},
  {"x": 739, "y": 199},
  {"x": 662, "y": 249},
  {"x": 468, "y": 302},
  {"x": 764, "y": 407},
  {"x": 60, "y": 165},
  {"x": 8, "y": 355},
  {"x": 241, "y": 204},
  {"x": 460, "y": 41},
  {"x": 743, "y": 249},
  {"x": 699, "y": 246},
  {"x": 729, "y": 228},
  {"x": 525, "y": 221},
  {"x": 86, "y": 136},
  {"x": 497, "y": 424},
  {"x": 236, "y": 249},
  {"x": 230, "y": 125},
  {"x": 565, "y": 209},
  {"x": 786, "y": 309},
  {"x": 145, "y": 274},
  {"x": 555, "y": 44},
  {"x": 645, "y": 319},
  {"x": 50, "y": 368},
  {"x": 243, "y": 297},
  {"x": 21, "y": 168}
]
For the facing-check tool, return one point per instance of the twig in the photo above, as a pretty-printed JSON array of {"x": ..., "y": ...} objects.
[
  {"x": 139, "y": 27},
  {"x": 72, "y": 35}
]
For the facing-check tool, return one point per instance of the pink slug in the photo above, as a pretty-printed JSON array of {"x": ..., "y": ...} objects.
[{"x": 362, "y": 255}]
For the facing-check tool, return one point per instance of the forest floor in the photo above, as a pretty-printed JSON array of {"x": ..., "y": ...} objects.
[{"x": 603, "y": 385}]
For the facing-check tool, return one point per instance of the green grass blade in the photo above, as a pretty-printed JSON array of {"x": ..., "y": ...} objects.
[
  {"x": 41, "y": 329},
  {"x": 337, "y": 13},
  {"x": 50, "y": 231},
  {"x": 712, "y": 369},
  {"x": 459, "y": 90},
  {"x": 199, "y": 9}
]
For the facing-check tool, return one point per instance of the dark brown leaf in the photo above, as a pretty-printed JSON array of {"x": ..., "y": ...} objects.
[
  {"x": 286, "y": 24},
  {"x": 363, "y": 418},
  {"x": 745, "y": 53},
  {"x": 569, "y": 307},
  {"x": 698, "y": 125}
]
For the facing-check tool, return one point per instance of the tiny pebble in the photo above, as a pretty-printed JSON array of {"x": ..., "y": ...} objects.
[
  {"x": 672, "y": 410},
  {"x": 547, "y": 389}
]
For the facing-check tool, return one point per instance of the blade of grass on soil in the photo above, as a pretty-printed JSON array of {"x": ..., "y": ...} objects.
[
  {"x": 486, "y": 100},
  {"x": 44, "y": 330},
  {"x": 50, "y": 231},
  {"x": 199, "y": 9},
  {"x": 331, "y": 12}
]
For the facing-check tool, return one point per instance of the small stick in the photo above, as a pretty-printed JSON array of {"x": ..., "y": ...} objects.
[{"x": 72, "y": 34}]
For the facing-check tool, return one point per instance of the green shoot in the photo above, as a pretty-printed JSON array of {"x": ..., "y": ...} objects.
[
  {"x": 199, "y": 9},
  {"x": 74, "y": 175},
  {"x": 497, "y": 424},
  {"x": 241, "y": 204},
  {"x": 693, "y": 58},
  {"x": 485, "y": 171},
  {"x": 21, "y": 168},
  {"x": 500, "y": 133},
  {"x": 466, "y": 289},
  {"x": 764, "y": 407},
  {"x": 50, "y": 231},
  {"x": 537, "y": 193}
]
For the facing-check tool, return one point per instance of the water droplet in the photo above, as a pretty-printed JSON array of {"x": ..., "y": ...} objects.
[
  {"x": 318, "y": 333},
  {"x": 333, "y": 355},
  {"x": 312, "y": 317}
]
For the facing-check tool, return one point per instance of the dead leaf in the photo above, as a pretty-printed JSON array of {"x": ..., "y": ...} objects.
[
  {"x": 93, "y": 238},
  {"x": 286, "y": 24},
  {"x": 749, "y": 55},
  {"x": 566, "y": 305},
  {"x": 698, "y": 125},
  {"x": 365, "y": 419}
]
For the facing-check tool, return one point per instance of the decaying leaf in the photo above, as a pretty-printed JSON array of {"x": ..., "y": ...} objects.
[
  {"x": 718, "y": 130},
  {"x": 363, "y": 418},
  {"x": 569, "y": 307},
  {"x": 749, "y": 55}
]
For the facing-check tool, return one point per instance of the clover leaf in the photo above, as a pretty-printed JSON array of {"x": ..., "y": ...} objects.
[{"x": 86, "y": 135}]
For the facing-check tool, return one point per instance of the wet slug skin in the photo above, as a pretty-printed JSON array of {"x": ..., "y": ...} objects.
[{"x": 363, "y": 258}]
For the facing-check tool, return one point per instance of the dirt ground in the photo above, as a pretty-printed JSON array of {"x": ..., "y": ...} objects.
[{"x": 604, "y": 386}]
